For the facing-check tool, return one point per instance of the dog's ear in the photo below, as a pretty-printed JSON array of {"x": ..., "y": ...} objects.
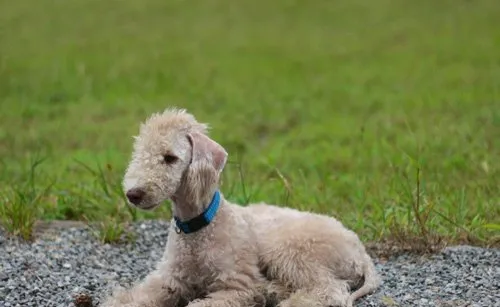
[{"x": 206, "y": 149}]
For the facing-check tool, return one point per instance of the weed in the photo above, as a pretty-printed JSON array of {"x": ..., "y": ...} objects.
[
  {"x": 22, "y": 203},
  {"x": 109, "y": 230},
  {"x": 412, "y": 226}
]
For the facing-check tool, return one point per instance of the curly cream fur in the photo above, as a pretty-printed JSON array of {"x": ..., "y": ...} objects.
[{"x": 258, "y": 255}]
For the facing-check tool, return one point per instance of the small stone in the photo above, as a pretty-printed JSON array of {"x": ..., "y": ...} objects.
[{"x": 83, "y": 300}]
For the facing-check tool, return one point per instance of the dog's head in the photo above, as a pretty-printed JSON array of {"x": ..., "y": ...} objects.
[{"x": 172, "y": 157}]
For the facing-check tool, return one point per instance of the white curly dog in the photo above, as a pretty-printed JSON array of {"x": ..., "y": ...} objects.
[{"x": 220, "y": 254}]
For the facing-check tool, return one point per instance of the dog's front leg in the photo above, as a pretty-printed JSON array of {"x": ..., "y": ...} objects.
[
  {"x": 156, "y": 290},
  {"x": 230, "y": 298}
]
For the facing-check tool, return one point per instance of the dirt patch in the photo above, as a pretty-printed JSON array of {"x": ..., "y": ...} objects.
[{"x": 51, "y": 228}]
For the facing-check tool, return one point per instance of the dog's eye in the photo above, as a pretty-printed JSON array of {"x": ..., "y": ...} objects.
[{"x": 169, "y": 158}]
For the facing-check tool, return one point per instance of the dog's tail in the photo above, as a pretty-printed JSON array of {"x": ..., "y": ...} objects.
[{"x": 371, "y": 280}]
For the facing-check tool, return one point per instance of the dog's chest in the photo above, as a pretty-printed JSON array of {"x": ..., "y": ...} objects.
[{"x": 206, "y": 259}]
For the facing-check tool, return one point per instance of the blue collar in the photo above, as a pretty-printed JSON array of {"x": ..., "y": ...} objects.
[{"x": 201, "y": 220}]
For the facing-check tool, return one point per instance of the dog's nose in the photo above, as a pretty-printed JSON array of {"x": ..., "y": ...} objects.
[{"x": 135, "y": 195}]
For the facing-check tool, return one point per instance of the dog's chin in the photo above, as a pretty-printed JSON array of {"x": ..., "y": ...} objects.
[{"x": 146, "y": 207}]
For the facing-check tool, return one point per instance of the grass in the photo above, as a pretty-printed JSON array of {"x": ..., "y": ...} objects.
[
  {"x": 20, "y": 208},
  {"x": 382, "y": 113}
]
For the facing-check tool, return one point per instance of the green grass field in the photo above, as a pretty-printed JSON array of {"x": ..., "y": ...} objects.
[{"x": 384, "y": 113}]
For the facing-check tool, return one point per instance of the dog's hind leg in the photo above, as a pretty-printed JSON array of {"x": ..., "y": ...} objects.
[
  {"x": 322, "y": 293},
  {"x": 310, "y": 268}
]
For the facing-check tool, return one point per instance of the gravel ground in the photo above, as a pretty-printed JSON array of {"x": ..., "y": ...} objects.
[{"x": 51, "y": 271}]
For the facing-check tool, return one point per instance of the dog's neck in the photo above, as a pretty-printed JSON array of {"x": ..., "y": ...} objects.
[
  {"x": 194, "y": 213},
  {"x": 186, "y": 206}
]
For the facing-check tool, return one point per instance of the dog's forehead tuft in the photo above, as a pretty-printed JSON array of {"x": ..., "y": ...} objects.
[
  {"x": 163, "y": 132},
  {"x": 172, "y": 121}
]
